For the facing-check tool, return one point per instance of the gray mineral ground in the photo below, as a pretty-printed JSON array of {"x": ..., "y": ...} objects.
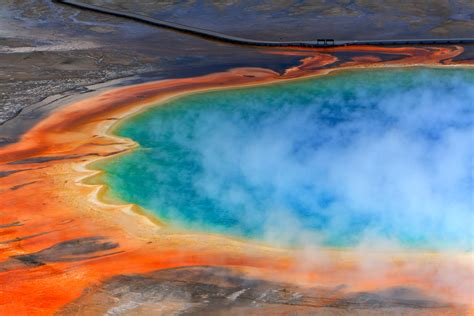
[
  {"x": 203, "y": 290},
  {"x": 51, "y": 54}
]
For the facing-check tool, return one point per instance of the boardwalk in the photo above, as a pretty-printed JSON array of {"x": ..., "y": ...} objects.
[{"x": 251, "y": 42}]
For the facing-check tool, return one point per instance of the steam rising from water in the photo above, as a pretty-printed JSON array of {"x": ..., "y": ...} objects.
[{"x": 367, "y": 155}]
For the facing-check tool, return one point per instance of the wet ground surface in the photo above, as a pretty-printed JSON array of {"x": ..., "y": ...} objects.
[
  {"x": 51, "y": 54},
  {"x": 308, "y": 20}
]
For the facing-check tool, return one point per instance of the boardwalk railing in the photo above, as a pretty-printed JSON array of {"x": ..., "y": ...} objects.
[{"x": 251, "y": 42}]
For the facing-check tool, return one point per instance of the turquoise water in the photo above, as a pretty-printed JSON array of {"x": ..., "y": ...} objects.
[{"x": 355, "y": 157}]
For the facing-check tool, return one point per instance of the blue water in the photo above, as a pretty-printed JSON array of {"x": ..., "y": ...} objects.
[{"x": 354, "y": 157}]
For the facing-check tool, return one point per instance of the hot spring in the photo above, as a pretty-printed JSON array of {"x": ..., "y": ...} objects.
[{"x": 338, "y": 160}]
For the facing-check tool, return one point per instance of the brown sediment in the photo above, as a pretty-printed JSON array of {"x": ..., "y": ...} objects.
[{"x": 67, "y": 238}]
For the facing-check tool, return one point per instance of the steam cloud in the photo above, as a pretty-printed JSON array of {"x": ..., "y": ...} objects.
[{"x": 334, "y": 161}]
